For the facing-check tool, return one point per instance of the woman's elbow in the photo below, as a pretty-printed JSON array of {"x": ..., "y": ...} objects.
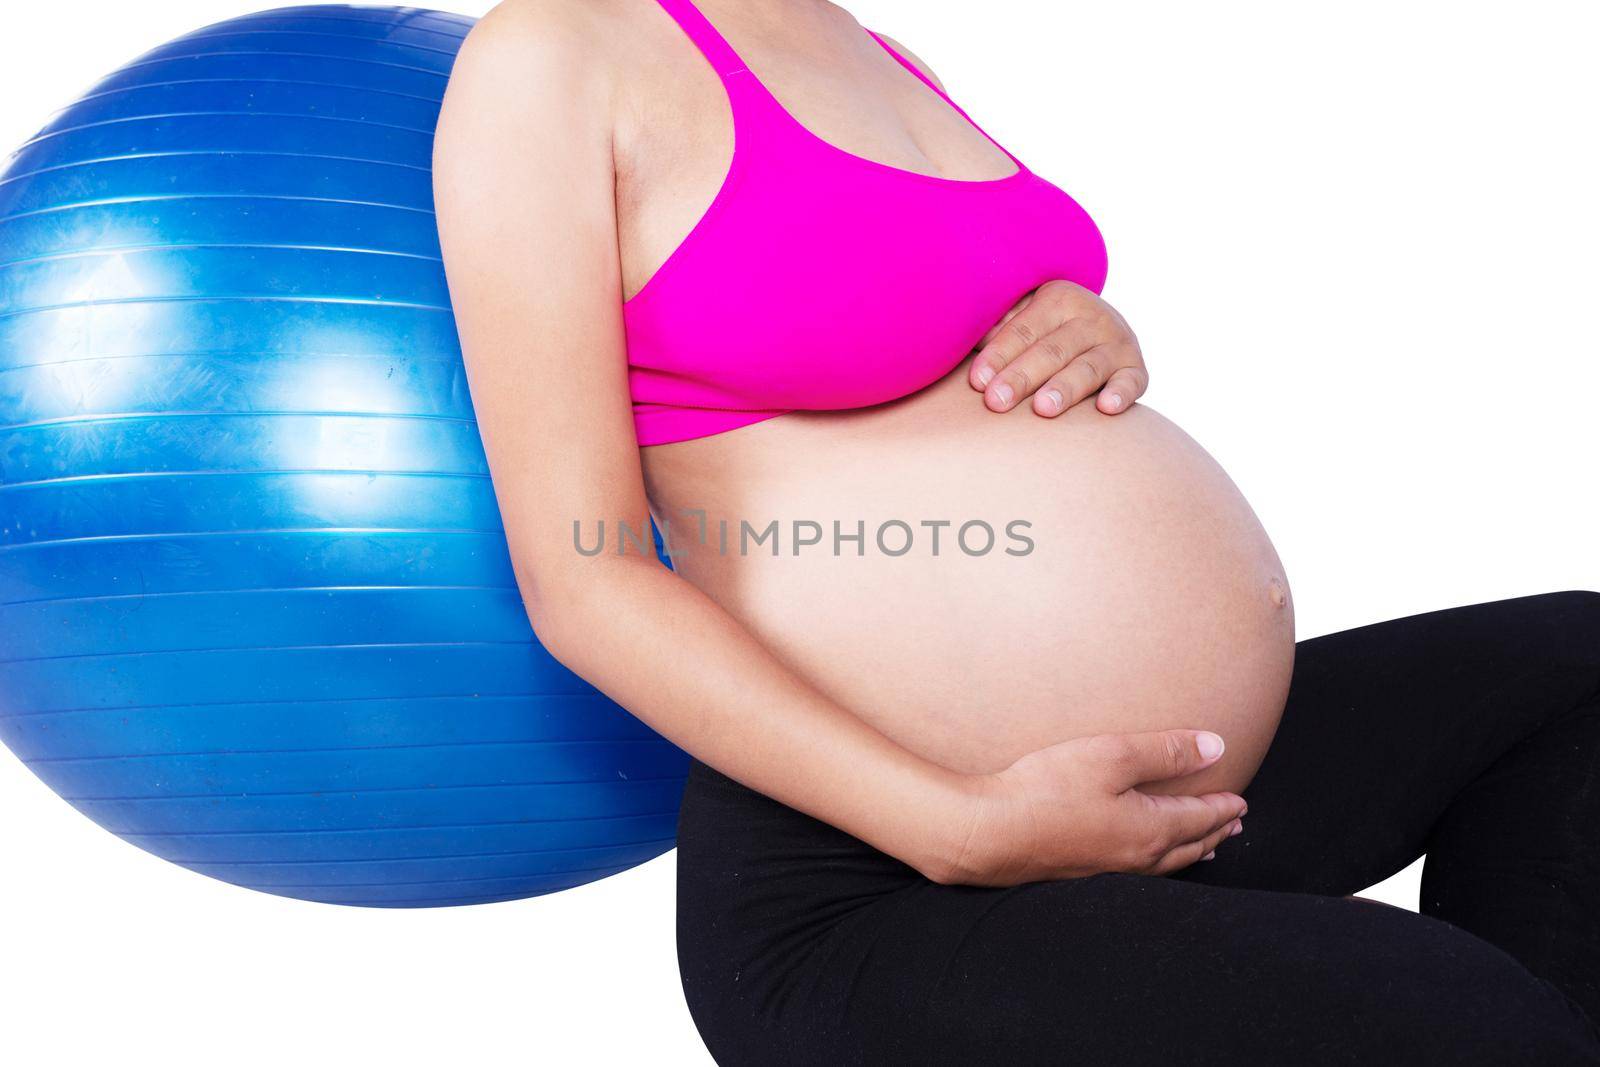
[
  {"x": 571, "y": 609},
  {"x": 553, "y": 615}
]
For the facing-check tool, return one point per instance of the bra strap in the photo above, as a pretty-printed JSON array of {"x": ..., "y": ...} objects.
[
  {"x": 913, "y": 68},
  {"x": 718, "y": 52},
  {"x": 906, "y": 63}
]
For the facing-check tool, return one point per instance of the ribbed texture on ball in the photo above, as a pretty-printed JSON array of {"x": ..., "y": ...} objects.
[{"x": 257, "y": 614}]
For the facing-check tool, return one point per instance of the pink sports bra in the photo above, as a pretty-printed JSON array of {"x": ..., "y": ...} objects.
[{"x": 821, "y": 280}]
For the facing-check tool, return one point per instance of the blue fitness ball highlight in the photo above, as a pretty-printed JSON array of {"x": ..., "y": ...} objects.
[{"x": 257, "y": 614}]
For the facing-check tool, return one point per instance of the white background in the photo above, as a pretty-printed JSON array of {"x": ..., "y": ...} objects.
[{"x": 1359, "y": 243}]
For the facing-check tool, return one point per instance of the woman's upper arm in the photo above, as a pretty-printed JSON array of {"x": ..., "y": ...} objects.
[{"x": 523, "y": 183}]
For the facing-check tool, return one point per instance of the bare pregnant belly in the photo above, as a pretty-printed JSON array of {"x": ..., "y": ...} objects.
[{"x": 978, "y": 585}]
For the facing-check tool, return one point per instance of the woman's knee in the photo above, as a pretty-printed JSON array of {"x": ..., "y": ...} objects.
[
  {"x": 1570, "y": 622},
  {"x": 1450, "y": 997},
  {"x": 1582, "y": 608}
]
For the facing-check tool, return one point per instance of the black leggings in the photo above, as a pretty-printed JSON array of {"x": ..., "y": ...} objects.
[{"x": 1472, "y": 735}]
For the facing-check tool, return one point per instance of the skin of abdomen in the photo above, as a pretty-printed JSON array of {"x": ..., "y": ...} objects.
[{"x": 1139, "y": 591}]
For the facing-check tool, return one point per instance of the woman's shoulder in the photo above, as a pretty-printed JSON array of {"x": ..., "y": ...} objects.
[
  {"x": 535, "y": 68},
  {"x": 572, "y": 30}
]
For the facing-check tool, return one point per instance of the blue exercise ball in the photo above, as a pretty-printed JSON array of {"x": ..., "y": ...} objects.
[{"x": 257, "y": 613}]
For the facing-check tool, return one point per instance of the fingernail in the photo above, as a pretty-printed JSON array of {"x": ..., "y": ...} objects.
[
  {"x": 1114, "y": 401},
  {"x": 1209, "y": 744},
  {"x": 1209, "y": 856},
  {"x": 1004, "y": 393},
  {"x": 1054, "y": 398},
  {"x": 1236, "y": 829},
  {"x": 985, "y": 376}
]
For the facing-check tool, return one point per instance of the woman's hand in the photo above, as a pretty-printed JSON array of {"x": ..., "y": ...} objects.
[
  {"x": 1059, "y": 344},
  {"x": 1074, "y": 809}
]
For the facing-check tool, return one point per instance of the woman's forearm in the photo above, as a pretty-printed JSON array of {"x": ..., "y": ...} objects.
[{"x": 703, "y": 681}]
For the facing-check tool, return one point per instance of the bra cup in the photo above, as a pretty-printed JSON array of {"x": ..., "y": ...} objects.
[{"x": 821, "y": 280}]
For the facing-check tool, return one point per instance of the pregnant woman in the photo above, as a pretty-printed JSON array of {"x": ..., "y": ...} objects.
[{"x": 1004, "y": 750}]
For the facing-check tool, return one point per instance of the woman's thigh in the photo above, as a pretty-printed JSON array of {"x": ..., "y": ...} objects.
[
  {"x": 1128, "y": 969},
  {"x": 799, "y": 944}
]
